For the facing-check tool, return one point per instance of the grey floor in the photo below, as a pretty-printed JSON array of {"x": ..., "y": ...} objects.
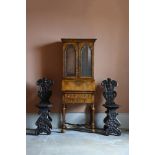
[{"x": 77, "y": 143}]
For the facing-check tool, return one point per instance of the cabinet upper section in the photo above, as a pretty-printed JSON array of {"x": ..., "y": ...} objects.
[{"x": 78, "y": 58}]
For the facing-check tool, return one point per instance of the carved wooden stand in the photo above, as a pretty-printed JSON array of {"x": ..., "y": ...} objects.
[
  {"x": 111, "y": 122},
  {"x": 44, "y": 121}
]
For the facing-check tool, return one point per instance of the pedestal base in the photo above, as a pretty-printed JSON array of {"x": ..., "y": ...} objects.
[
  {"x": 111, "y": 122},
  {"x": 44, "y": 123}
]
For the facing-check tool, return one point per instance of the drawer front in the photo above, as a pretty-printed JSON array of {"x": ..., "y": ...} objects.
[
  {"x": 78, "y": 85},
  {"x": 78, "y": 98}
]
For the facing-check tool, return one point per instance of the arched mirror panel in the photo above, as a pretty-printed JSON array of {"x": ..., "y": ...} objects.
[
  {"x": 70, "y": 61},
  {"x": 86, "y": 61}
]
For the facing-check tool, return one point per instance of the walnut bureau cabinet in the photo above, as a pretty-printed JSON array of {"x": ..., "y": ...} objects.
[{"x": 78, "y": 84}]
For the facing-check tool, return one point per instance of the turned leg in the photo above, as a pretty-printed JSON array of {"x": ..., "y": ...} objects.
[
  {"x": 93, "y": 118},
  {"x": 63, "y": 117}
]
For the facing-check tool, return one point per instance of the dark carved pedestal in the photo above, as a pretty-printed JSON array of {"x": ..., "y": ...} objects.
[
  {"x": 44, "y": 121},
  {"x": 111, "y": 122}
]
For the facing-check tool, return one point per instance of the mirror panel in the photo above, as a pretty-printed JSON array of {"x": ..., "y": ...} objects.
[
  {"x": 70, "y": 61},
  {"x": 86, "y": 61}
]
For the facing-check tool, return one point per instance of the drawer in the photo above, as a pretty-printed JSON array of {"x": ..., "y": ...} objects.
[{"x": 78, "y": 98}]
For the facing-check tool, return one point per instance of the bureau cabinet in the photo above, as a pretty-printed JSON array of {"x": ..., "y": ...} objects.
[{"x": 78, "y": 84}]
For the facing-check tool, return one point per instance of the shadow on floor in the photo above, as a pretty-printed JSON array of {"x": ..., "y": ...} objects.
[
  {"x": 80, "y": 129},
  {"x": 97, "y": 131},
  {"x": 33, "y": 132}
]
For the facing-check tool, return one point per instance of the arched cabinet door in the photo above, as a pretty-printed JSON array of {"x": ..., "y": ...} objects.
[
  {"x": 70, "y": 60},
  {"x": 86, "y": 61}
]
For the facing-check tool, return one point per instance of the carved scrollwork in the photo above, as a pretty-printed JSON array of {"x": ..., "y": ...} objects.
[
  {"x": 44, "y": 123},
  {"x": 109, "y": 92},
  {"x": 44, "y": 92},
  {"x": 111, "y": 122}
]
